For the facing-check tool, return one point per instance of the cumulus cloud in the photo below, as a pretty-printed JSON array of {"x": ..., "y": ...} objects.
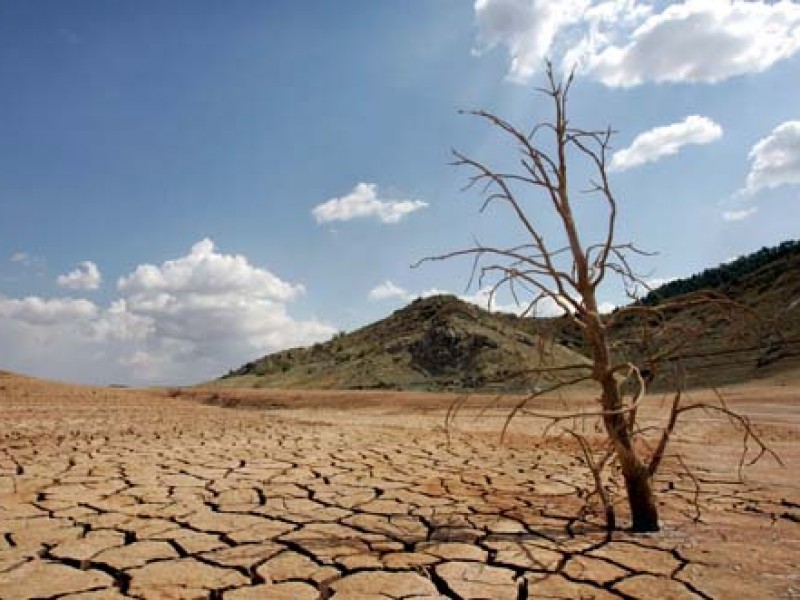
[
  {"x": 624, "y": 43},
  {"x": 118, "y": 322},
  {"x": 545, "y": 307},
  {"x": 208, "y": 302},
  {"x": 76, "y": 316},
  {"x": 739, "y": 215},
  {"x": 775, "y": 159},
  {"x": 207, "y": 273},
  {"x": 38, "y": 311},
  {"x": 704, "y": 41},
  {"x": 183, "y": 321},
  {"x": 600, "y": 26},
  {"x": 85, "y": 277},
  {"x": 482, "y": 297},
  {"x": 606, "y": 307},
  {"x": 659, "y": 142},
  {"x": 363, "y": 202},
  {"x": 388, "y": 290},
  {"x": 526, "y": 28}
]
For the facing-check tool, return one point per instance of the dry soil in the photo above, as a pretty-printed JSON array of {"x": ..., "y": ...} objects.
[{"x": 110, "y": 493}]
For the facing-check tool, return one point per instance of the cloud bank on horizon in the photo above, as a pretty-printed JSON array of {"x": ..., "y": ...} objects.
[{"x": 180, "y": 321}]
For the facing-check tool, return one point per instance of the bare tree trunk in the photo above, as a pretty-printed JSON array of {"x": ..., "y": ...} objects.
[
  {"x": 638, "y": 482},
  {"x": 644, "y": 513}
]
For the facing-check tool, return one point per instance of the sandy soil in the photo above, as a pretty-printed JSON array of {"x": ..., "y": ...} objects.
[{"x": 108, "y": 493}]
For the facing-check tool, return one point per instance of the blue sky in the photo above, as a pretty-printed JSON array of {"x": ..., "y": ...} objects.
[{"x": 185, "y": 186}]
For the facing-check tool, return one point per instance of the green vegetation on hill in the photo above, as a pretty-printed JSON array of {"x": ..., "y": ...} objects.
[
  {"x": 755, "y": 336},
  {"x": 725, "y": 274}
]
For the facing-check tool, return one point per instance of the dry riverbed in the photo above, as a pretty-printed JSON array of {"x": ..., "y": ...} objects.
[{"x": 109, "y": 493}]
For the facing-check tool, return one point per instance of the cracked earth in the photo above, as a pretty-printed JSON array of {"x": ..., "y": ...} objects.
[{"x": 108, "y": 493}]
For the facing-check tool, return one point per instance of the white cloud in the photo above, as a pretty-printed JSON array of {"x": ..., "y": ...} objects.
[
  {"x": 739, "y": 215},
  {"x": 388, "y": 290},
  {"x": 26, "y": 259},
  {"x": 363, "y": 202},
  {"x": 85, "y": 277},
  {"x": 37, "y": 311},
  {"x": 214, "y": 304},
  {"x": 624, "y": 43},
  {"x": 82, "y": 317},
  {"x": 206, "y": 273},
  {"x": 183, "y": 321},
  {"x": 775, "y": 159},
  {"x": 606, "y": 307},
  {"x": 651, "y": 284},
  {"x": 601, "y": 23},
  {"x": 657, "y": 282},
  {"x": 482, "y": 298},
  {"x": 118, "y": 322},
  {"x": 659, "y": 142},
  {"x": 703, "y": 41},
  {"x": 527, "y": 28},
  {"x": 545, "y": 307}
]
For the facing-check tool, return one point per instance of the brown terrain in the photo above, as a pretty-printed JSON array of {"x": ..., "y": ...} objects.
[
  {"x": 441, "y": 343},
  {"x": 433, "y": 344},
  {"x": 226, "y": 493}
]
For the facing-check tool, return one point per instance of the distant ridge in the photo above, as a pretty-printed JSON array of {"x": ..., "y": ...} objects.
[
  {"x": 759, "y": 340},
  {"x": 729, "y": 274},
  {"x": 434, "y": 343},
  {"x": 443, "y": 343}
]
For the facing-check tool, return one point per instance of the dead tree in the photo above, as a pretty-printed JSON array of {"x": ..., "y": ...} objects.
[{"x": 569, "y": 274}]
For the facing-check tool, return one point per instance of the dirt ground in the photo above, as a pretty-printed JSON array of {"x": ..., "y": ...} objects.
[{"x": 112, "y": 493}]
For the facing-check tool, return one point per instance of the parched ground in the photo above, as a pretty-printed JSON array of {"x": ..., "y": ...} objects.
[{"x": 109, "y": 493}]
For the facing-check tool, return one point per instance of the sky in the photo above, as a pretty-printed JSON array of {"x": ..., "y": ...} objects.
[{"x": 186, "y": 186}]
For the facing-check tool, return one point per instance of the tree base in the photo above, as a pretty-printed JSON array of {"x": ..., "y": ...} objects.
[
  {"x": 645, "y": 527},
  {"x": 644, "y": 513}
]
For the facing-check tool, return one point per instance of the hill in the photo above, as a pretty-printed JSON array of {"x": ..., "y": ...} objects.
[
  {"x": 766, "y": 265},
  {"x": 434, "y": 343},
  {"x": 756, "y": 338},
  {"x": 442, "y": 343}
]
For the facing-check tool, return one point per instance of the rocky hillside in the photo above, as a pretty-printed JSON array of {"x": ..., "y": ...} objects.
[
  {"x": 756, "y": 338},
  {"x": 434, "y": 343},
  {"x": 443, "y": 343}
]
